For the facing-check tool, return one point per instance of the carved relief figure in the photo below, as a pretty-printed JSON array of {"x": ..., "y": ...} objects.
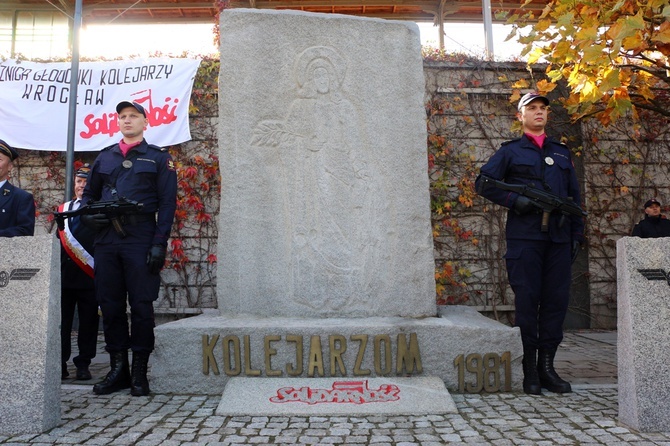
[{"x": 326, "y": 182}]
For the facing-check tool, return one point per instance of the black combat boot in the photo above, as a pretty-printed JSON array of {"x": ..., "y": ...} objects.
[
  {"x": 531, "y": 380},
  {"x": 139, "y": 383},
  {"x": 548, "y": 376},
  {"x": 118, "y": 377}
]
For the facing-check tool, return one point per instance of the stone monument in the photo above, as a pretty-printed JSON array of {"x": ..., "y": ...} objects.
[
  {"x": 325, "y": 205},
  {"x": 325, "y": 253},
  {"x": 29, "y": 335},
  {"x": 643, "y": 332}
]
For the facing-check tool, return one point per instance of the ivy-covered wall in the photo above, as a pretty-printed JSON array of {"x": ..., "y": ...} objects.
[
  {"x": 468, "y": 115},
  {"x": 620, "y": 167},
  {"x": 189, "y": 282}
]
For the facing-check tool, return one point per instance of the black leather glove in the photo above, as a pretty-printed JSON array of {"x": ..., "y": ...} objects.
[
  {"x": 96, "y": 221},
  {"x": 576, "y": 246},
  {"x": 156, "y": 258},
  {"x": 523, "y": 205}
]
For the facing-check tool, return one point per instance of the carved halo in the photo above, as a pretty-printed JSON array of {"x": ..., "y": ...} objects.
[{"x": 320, "y": 56}]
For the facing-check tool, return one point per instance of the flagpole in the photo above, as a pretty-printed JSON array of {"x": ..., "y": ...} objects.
[
  {"x": 72, "y": 102},
  {"x": 488, "y": 28}
]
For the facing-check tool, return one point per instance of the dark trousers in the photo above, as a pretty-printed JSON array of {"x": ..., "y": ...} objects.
[
  {"x": 87, "y": 335},
  {"x": 539, "y": 273},
  {"x": 121, "y": 274}
]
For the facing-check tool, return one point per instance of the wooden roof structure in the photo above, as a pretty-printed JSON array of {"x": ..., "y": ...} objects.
[
  {"x": 198, "y": 11},
  {"x": 126, "y": 12}
]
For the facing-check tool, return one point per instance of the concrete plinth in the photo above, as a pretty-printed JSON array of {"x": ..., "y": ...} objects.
[
  {"x": 469, "y": 352},
  {"x": 29, "y": 335},
  {"x": 643, "y": 295},
  {"x": 335, "y": 396}
]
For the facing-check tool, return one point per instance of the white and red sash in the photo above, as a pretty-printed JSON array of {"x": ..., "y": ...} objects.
[{"x": 72, "y": 247}]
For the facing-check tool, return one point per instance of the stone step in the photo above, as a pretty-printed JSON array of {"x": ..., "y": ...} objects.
[{"x": 335, "y": 396}]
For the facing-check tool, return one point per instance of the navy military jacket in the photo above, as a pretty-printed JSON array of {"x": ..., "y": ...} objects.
[
  {"x": 652, "y": 227},
  {"x": 551, "y": 169},
  {"x": 149, "y": 178},
  {"x": 17, "y": 212}
]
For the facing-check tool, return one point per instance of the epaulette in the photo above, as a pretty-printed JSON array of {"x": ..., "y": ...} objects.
[
  {"x": 510, "y": 141},
  {"x": 564, "y": 146},
  {"x": 160, "y": 149},
  {"x": 109, "y": 147},
  {"x": 555, "y": 141}
]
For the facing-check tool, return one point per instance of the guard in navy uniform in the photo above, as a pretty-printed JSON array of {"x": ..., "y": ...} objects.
[
  {"x": 538, "y": 262},
  {"x": 77, "y": 289},
  {"x": 654, "y": 224},
  {"x": 17, "y": 207},
  {"x": 127, "y": 267}
]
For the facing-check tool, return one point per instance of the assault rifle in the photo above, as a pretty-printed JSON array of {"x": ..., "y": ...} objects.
[
  {"x": 545, "y": 201},
  {"x": 113, "y": 209}
]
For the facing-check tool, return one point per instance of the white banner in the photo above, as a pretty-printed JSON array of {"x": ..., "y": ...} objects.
[{"x": 34, "y": 101}]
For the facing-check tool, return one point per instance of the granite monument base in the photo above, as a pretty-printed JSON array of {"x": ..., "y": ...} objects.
[
  {"x": 29, "y": 335},
  {"x": 643, "y": 335},
  {"x": 468, "y": 351}
]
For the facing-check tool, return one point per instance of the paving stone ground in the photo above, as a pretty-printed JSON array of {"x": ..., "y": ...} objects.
[{"x": 588, "y": 416}]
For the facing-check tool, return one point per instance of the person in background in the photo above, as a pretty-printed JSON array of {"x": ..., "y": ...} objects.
[
  {"x": 17, "y": 207},
  {"x": 128, "y": 262},
  {"x": 538, "y": 262},
  {"x": 654, "y": 224},
  {"x": 77, "y": 288}
]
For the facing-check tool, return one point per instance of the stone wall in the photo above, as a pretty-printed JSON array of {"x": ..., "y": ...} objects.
[
  {"x": 624, "y": 166},
  {"x": 468, "y": 116}
]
